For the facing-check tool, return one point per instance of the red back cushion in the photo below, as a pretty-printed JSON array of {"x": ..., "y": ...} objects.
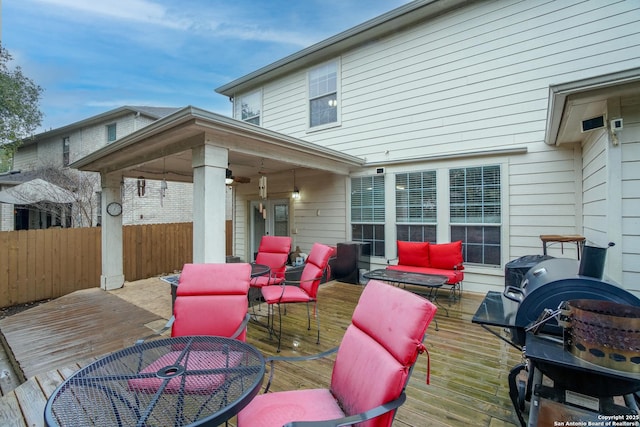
[
  {"x": 413, "y": 253},
  {"x": 446, "y": 255},
  {"x": 274, "y": 252},
  {"x": 379, "y": 347},
  {"x": 211, "y": 299},
  {"x": 314, "y": 267}
]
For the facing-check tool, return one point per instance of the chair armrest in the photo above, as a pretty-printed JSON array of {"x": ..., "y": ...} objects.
[
  {"x": 242, "y": 326},
  {"x": 166, "y": 327},
  {"x": 353, "y": 419},
  {"x": 273, "y": 359}
]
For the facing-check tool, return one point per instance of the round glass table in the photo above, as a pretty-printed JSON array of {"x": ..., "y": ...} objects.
[{"x": 194, "y": 380}]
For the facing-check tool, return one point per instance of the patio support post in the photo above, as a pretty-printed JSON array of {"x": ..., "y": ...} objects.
[
  {"x": 112, "y": 266},
  {"x": 209, "y": 171}
]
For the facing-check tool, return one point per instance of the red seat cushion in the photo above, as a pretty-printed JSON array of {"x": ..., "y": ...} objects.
[
  {"x": 277, "y": 409},
  {"x": 446, "y": 255},
  {"x": 275, "y": 294},
  {"x": 413, "y": 253},
  {"x": 260, "y": 281},
  {"x": 194, "y": 384}
]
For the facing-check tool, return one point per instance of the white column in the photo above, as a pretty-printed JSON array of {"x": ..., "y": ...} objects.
[
  {"x": 112, "y": 267},
  {"x": 209, "y": 171}
]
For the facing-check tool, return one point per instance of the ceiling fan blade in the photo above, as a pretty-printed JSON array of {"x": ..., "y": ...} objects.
[{"x": 241, "y": 179}]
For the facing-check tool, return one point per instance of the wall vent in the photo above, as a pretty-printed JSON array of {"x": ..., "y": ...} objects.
[{"x": 594, "y": 123}]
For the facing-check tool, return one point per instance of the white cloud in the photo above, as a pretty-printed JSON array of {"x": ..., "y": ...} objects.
[{"x": 130, "y": 10}]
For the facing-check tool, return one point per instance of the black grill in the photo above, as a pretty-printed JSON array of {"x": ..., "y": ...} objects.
[{"x": 544, "y": 287}]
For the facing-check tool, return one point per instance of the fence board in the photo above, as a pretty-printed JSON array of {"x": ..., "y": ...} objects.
[{"x": 43, "y": 264}]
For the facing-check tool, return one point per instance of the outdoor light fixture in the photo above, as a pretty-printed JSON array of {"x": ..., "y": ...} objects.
[
  {"x": 296, "y": 192},
  {"x": 229, "y": 177}
]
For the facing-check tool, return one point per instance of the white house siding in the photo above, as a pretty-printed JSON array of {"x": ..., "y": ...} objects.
[
  {"x": 630, "y": 171},
  {"x": 543, "y": 198},
  {"x": 595, "y": 190},
  {"x": 318, "y": 216},
  {"x": 474, "y": 80}
]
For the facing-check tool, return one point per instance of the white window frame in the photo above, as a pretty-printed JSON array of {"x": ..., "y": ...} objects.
[
  {"x": 115, "y": 131},
  {"x": 314, "y": 96},
  {"x": 238, "y": 107},
  {"x": 66, "y": 151}
]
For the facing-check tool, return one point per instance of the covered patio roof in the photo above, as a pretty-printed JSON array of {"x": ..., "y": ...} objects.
[
  {"x": 195, "y": 145},
  {"x": 162, "y": 150}
]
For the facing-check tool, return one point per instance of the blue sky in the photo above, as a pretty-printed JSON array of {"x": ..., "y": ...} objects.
[{"x": 91, "y": 56}]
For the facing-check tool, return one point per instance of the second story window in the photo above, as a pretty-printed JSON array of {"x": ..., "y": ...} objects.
[
  {"x": 111, "y": 132},
  {"x": 249, "y": 107},
  {"x": 65, "y": 151},
  {"x": 323, "y": 94}
]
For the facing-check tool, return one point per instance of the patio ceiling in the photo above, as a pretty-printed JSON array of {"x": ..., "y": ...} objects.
[{"x": 163, "y": 149}]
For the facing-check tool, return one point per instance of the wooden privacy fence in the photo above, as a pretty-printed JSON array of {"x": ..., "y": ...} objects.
[{"x": 42, "y": 264}]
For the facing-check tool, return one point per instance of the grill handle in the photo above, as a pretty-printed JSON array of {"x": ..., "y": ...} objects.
[{"x": 514, "y": 294}]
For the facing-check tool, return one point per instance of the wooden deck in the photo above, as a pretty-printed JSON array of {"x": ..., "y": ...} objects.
[{"x": 469, "y": 366}]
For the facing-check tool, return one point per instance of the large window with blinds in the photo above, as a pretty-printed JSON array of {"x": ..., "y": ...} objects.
[
  {"x": 416, "y": 214},
  {"x": 368, "y": 212},
  {"x": 475, "y": 212}
]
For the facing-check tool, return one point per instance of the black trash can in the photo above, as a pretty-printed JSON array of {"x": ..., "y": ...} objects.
[{"x": 515, "y": 270}]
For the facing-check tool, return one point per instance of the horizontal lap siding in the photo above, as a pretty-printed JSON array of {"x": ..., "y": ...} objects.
[
  {"x": 630, "y": 144},
  {"x": 477, "y": 79},
  {"x": 595, "y": 191}
]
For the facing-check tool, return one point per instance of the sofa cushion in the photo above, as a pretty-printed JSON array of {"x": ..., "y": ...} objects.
[
  {"x": 453, "y": 276},
  {"x": 446, "y": 255},
  {"x": 413, "y": 253}
]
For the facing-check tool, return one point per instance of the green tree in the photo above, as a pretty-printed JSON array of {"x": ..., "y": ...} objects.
[{"x": 20, "y": 114}]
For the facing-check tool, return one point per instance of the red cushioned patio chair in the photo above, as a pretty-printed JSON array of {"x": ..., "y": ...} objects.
[
  {"x": 273, "y": 252},
  {"x": 211, "y": 299},
  {"x": 372, "y": 367},
  {"x": 303, "y": 291}
]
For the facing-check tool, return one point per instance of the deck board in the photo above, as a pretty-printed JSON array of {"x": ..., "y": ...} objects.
[
  {"x": 469, "y": 366},
  {"x": 83, "y": 324}
]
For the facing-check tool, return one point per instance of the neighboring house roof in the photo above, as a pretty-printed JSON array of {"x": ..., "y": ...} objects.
[
  {"x": 390, "y": 22},
  {"x": 35, "y": 191},
  {"x": 153, "y": 112},
  {"x": 17, "y": 177}
]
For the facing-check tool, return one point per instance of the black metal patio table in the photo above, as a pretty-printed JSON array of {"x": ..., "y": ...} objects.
[
  {"x": 432, "y": 282},
  {"x": 180, "y": 381}
]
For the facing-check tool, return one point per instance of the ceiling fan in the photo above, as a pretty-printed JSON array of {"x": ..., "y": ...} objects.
[{"x": 232, "y": 179}]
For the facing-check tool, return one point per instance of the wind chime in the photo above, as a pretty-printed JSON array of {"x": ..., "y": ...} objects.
[
  {"x": 163, "y": 183},
  {"x": 262, "y": 191}
]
